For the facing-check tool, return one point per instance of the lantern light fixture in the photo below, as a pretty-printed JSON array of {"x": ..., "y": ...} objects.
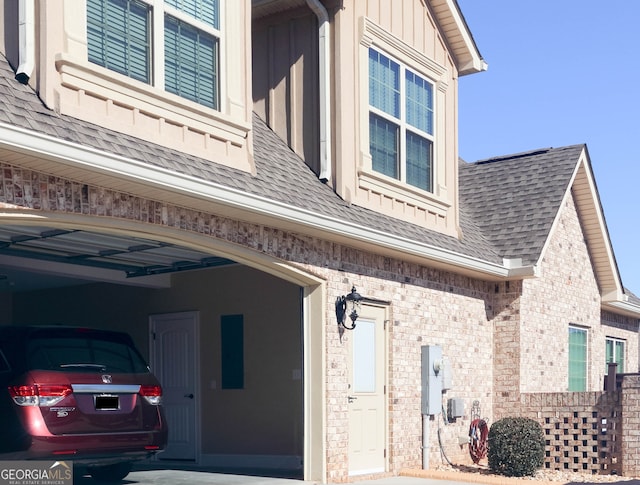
[{"x": 348, "y": 305}]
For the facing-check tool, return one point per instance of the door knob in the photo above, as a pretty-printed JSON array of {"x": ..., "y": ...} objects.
[{"x": 190, "y": 396}]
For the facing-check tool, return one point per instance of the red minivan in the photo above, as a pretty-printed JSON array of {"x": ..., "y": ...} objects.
[{"x": 78, "y": 394}]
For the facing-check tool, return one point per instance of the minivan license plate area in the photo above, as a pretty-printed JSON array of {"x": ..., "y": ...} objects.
[{"x": 107, "y": 403}]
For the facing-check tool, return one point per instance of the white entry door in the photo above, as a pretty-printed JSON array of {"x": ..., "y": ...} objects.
[
  {"x": 367, "y": 399},
  {"x": 174, "y": 360}
]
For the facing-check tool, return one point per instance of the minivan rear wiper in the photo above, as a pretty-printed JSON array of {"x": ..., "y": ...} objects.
[{"x": 100, "y": 367}]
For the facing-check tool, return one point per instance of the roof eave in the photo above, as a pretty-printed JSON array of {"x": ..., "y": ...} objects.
[
  {"x": 623, "y": 307},
  {"x": 459, "y": 37},
  {"x": 206, "y": 195}
]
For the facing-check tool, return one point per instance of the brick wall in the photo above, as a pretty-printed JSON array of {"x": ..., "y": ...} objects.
[
  {"x": 582, "y": 430},
  {"x": 589, "y": 432}
]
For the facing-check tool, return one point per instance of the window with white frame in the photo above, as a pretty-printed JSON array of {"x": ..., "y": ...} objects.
[
  {"x": 577, "y": 359},
  {"x": 171, "y": 44},
  {"x": 614, "y": 349},
  {"x": 401, "y": 122}
]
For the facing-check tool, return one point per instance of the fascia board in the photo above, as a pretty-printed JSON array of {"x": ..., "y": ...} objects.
[
  {"x": 624, "y": 307},
  {"x": 474, "y": 62},
  {"x": 612, "y": 296},
  {"x": 75, "y": 155}
]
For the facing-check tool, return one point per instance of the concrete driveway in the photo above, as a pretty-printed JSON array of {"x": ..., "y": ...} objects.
[
  {"x": 196, "y": 476},
  {"x": 189, "y": 477}
]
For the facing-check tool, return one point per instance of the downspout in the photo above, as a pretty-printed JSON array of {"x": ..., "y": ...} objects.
[
  {"x": 26, "y": 40},
  {"x": 324, "y": 45}
]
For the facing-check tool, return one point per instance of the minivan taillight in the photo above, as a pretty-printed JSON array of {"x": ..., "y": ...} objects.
[
  {"x": 153, "y": 394},
  {"x": 43, "y": 395}
]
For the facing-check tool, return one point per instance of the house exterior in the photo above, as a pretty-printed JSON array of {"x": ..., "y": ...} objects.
[{"x": 215, "y": 176}]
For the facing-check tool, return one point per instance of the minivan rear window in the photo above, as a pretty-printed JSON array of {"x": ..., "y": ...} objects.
[{"x": 84, "y": 354}]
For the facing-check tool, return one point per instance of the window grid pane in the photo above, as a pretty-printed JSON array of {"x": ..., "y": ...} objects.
[
  {"x": 384, "y": 83},
  {"x": 383, "y": 145},
  {"x": 191, "y": 62},
  {"x": 419, "y": 162},
  {"x": 577, "y": 359},
  {"x": 620, "y": 356},
  {"x": 614, "y": 352},
  {"x": 118, "y": 36},
  {"x": 419, "y": 103},
  {"x": 207, "y": 11}
]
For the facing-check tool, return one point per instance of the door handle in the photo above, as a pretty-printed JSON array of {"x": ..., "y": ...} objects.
[
  {"x": 190, "y": 396},
  {"x": 351, "y": 398}
]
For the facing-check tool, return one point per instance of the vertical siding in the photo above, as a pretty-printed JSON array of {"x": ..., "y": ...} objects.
[{"x": 285, "y": 80}]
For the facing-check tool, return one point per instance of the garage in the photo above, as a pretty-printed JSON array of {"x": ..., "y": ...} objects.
[{"x": 224, "y": 338}]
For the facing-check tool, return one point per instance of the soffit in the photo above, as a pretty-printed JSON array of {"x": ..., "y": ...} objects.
[
  {"x": 458, "y": 36},
  {"x": 595, "y": 229},
  {"x": 262, "y": 8},
  {"x": 447, "y": 13}
]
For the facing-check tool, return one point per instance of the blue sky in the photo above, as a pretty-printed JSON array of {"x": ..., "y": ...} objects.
[{"x": 562, "y": 72}]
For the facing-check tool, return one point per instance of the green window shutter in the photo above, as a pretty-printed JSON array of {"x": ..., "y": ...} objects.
[
  {"x": 191, "y": 63},
  {"x": 118, "y": 36}
]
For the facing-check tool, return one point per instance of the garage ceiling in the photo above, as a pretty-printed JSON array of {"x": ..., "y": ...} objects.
[{"x": 38, "y": 256}]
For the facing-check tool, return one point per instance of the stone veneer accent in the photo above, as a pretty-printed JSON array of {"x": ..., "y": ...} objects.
[{"x": 426, "y": 307}]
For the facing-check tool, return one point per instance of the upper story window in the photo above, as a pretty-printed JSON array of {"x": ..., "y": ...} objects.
[
  {"x": 615, "y": 353},
  {"x": 172, "y": 44},
  {"x": 401, "y": 122}
]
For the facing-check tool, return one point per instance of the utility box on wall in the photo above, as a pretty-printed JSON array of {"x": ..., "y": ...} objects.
[
  {"x": 431, "y": 379},
  {"x": 455, "y": 408}
]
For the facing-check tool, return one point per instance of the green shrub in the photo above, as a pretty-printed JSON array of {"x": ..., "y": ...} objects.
[{"x": 516, "y": 447}]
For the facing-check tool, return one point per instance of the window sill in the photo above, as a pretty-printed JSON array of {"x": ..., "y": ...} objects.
[{"x": 402, "y": 193}]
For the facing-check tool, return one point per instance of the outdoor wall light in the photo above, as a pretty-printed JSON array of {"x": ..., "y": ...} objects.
[{"x": 348, "y": 305}]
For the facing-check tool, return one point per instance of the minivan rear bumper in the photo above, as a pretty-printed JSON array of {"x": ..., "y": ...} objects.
[{"x": 90, "y": 449}]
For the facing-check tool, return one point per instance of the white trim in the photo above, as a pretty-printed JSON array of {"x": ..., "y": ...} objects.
[{"x": 26, "y": 40}]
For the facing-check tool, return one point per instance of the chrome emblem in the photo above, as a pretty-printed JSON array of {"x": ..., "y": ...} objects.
[{"x": 107, "y": 379}]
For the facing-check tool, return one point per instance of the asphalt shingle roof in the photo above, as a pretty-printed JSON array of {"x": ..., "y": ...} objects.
[
  {"x": 515, "y": 199},
  {"x": 506, "y": 205}
]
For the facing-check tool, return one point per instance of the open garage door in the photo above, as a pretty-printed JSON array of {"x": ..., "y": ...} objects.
[{"x": 51, "y": 275}]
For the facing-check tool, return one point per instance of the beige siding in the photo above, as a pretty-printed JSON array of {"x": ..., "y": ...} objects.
[{"x": 285, "y": 81}]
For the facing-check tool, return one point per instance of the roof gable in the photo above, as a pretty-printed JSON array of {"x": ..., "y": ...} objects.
[{"x": 516, "y": 201}]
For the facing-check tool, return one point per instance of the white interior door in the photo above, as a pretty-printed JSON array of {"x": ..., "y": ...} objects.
[
  {"x": 367, "y": 415},
  {"x": 174, "y": 360}
]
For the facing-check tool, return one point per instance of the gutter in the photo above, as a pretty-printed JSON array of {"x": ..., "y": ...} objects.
[
  {"x": 324, "y": 70},
  {"x": 26, "y": 40},
  {"x": 74, "y": 155}
]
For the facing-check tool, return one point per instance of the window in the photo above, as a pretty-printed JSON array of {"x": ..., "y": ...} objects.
[
  {"x": 121, "y": 35},
  {"x": 232, "y": 351},
  {"x": 577, "y": 359},
  {"x": 615, "y": 353},
  {"x": 401, "y": 121}
]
